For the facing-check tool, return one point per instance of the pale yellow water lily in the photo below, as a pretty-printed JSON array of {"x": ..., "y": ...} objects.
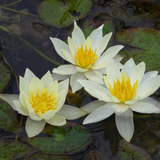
[
  {"x": 42, "y": 100},
  {"x": 125, "y": 91},
  {"x": 85, "y": 56}
]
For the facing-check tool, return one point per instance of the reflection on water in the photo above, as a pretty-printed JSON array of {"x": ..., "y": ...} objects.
[{"x": 25, "y": 43}]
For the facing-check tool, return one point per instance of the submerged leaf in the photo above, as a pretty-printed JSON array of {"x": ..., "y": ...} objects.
[
  {"x": 5, "y": 76},
  {"x": 68, "y": 139},
  {"x": 8, "y": 118},
  {"x": 146, "y": 46},
  {"x": 11, "y": 149},
  {"x": 129, "y": 151},
  {"x": 62, "y": 13}
]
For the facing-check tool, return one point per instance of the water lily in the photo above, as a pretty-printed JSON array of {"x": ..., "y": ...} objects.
[
  {"x": 125, "y": 91},
  {"x": 42, "y": 100},
  {"x": 85, "y": 56}
]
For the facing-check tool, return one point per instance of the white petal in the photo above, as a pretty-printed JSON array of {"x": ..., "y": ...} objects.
[
  {"x": 63, "y": 85},
  {"x": 125, "y": 125},
  {"x": 148, "y": 76},
  {"x": 68, "y": 57},
  {"x": 111, "y": 52},
  {"x": 71, "y": 113},
  {"x": 75, "y": 85},
  {"x": 120, "y": 107},
  {"x": 61, "y": 100},
  {"x": 47, "y": 115},
  {"x": 128, "y": 67},
  {"x": 88, "y": 42},
  {"x": 67, "y": 69},
  {"x": 134, "y": 100},
  {"x": 72, "y": 46},
  {"x": 34, "y": 127},
  {"x": 23, "y": 85},
  {"x": 9, "y": 98},
  {"x": 96, "y": 35},
  {"x": 59, "y": 45},
  {"x": 112, "y": 98},
  {"x": 108, "y": 82},
  {"x": 99, "y": 95},
  {"x": 33, "y": 86},
  {"x": 23, "y": 97},
  {"x": 102, "y": 44},
  {"x": 28, "y": 75},
  {"x": 99, "y": 65},
  {"x": 59, "y": 77},
  {"x": 118, "y": 57},
  {"x": 93, "y": 85},
  {"x": 20, "y": 108},
  {"x": 148, "y": 87},
  {"x": 94, "y": 76},
  {"x": 77, "y": 35},
  {"x": 150, "y": 100},
  {"x": 33, "y": 116},
  {"x": 90, "y": 107},
  {"x": 47, "y": 79},
  {"x": 99, "y": 114},
  {"x": 137, "y": 73},
  {"x": 79, "y": 69},
  {"x": 102, "y": 70},
  {"x": 53, "y": 87},
  {"x": 112, "y": 69},
  {"x": 57, "y": 120},
  {"x": 143, "y": 107}
]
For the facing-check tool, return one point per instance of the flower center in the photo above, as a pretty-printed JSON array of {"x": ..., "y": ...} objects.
[
  {"x": 123, "y": 90},
  {"x": 43, "y": 101},
  {"x": 85, "y": 57}
]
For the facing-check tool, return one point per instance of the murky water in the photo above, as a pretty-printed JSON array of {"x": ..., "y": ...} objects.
[{"x": 25, "y": 43}]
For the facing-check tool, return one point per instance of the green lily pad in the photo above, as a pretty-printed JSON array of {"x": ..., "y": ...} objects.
[
  {"x": 62, "y": 13},
  {"x": 11, "y": 149},
  {"x": 42, "y": 156},
  {"x": 67, "y": 139},
  {"x": 146, "y": 43},
  {"x": 130, "y": 151},
  {"x": 5, "y": 76},
  {"x": 8, "y": 117}
]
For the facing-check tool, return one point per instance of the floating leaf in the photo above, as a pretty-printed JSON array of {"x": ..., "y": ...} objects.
[
  {"x": 67, "y": 139},
  {"x": 147, "y": 42},
  {"x": 42, "y": 156},
  {"x": 130, "y": 151},
  {"x": 11, "y": 149},
  {"x": 8, "y": 118},
  {"x": 62, "y": 13},
  {"x": 5, "y": 76}
]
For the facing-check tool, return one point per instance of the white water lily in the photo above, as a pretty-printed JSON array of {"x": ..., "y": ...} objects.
[
  {"x": 85, "y": 56},
  {"x": 125, "y": 91},
  {"x": 42, "y": 100}
]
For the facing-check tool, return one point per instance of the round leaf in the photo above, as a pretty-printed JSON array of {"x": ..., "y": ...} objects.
[
  {"x": 68, "y": 139},
  {"x": 62, "y": 13}
]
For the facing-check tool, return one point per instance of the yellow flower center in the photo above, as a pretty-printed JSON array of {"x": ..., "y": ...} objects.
[
  {"x": 85, "y": 57},
  {"x": 43, "y": 101},
  {"x": 122, "y": 89}
]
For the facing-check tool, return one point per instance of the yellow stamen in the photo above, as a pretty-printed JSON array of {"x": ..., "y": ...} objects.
[
  {"x": 122, "y": 89},
  {"x": 43, "y": 101},
  {"x": 85, "y": 57}
]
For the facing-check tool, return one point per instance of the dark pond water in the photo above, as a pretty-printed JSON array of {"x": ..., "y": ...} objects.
[{"x": 25, "y": 43}]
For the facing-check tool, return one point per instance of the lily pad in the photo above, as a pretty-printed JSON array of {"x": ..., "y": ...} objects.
[
  {"x": 62, "y": 13},
  {"x": 8, "y": 117},
  {"x": 68, "y": 139},
  {"x": 11, "y": 149},
  {"x": 130, "y": 151},
  {"x": 146, "y": 43},
  {"x": 5, "y": 76},
  {"x": 42, "y": 156}
]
